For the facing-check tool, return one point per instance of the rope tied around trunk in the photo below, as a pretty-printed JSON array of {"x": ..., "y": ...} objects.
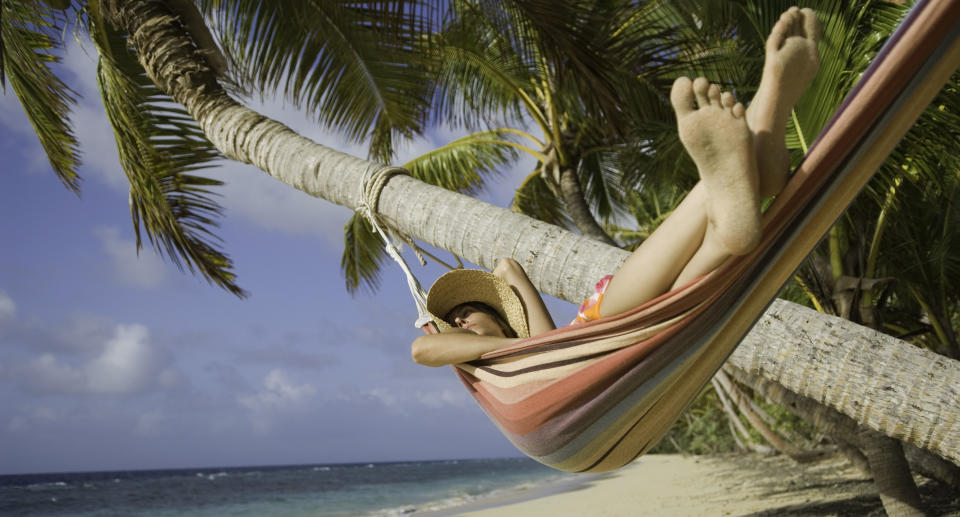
[{"x": 371, "y": 188}]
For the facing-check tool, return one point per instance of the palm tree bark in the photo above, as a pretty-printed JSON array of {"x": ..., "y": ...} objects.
[{"x": 876, "y": 368}]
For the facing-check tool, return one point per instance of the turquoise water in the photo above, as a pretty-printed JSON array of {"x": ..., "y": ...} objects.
[{"x": 398, "y": 488}]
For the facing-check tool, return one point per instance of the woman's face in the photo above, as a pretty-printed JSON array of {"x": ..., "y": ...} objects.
[{"x": 475, "y": 320}]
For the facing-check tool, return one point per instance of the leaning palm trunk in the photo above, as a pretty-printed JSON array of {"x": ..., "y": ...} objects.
[
  {"x": 922, "y": 407},
  {"x": 883, "y": 383}
]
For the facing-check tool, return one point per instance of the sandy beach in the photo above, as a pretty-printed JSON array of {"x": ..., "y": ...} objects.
[{"x": 723, "y": 485}]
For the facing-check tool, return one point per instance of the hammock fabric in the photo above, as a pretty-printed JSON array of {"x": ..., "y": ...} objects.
[{"x": 593, "y": 397}]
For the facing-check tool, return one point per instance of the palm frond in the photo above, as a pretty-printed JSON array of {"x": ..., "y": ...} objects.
[
  {"x": 358, "y": 67},
  {"x": 29, "y": 37},
  {"x": 602, "y": 182},
  {"x": 462, "y": 164},
  {"x": 160, "y": 147},
  {"x": 535, "y": 199},
  {"x": 363, "y": 254},
  {"x": 479, "y": 78},
  {"x": 657, "y": 157},
  {"x": 649, "y": 205},
  {"x": 920, "y": 250},
  {"x": 575, "y": 38}
]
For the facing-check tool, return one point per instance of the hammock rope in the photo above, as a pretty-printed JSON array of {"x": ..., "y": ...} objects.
[{"x": 371, "y": 188}]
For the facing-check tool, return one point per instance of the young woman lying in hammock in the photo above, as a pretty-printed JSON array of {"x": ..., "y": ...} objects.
[{"x": 741, "y": 157}]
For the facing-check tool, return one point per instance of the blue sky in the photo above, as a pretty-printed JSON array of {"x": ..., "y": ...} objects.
[{"x": 113, "y": 361}]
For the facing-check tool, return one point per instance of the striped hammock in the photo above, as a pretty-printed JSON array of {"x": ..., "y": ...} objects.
[{"x": 593, "y": 397}]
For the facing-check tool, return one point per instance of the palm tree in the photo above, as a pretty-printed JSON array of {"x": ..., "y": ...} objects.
[{"x": 479, "y": 232}]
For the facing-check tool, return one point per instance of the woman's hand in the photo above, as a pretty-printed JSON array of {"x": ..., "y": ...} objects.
[
  {"x": 509, "y": 270},
  {"x": 538, "y": 319}
]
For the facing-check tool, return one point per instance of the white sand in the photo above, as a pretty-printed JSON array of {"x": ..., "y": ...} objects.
[{"x": 674, "y": 485}]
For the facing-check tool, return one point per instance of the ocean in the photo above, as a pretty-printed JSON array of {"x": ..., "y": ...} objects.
[{"x": 371, "y": 489}]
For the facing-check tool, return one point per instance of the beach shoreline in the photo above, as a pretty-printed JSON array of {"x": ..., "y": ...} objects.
[
  {"x": 673, "y": 485},
  {"x": 504, "y": 498}
]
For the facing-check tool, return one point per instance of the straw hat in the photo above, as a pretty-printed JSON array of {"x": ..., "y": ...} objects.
[{"x": 473, "y": 285}]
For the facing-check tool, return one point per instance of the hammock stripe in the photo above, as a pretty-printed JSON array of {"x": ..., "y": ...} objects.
[{"x": 593, "y": 397}]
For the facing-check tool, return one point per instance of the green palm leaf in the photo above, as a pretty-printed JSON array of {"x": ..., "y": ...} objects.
[
  {"x": 602, "y": 182},
  {"x": 534, "y": 198},
  {"x": 159, "y": 146},
  {"x": 29, "y": 33},
  {"x": 462, "y": 164},
  {"x": 363, "y": 254},
  {"x": 358, "y": 67},
  {"x": 479, "y": 77}
]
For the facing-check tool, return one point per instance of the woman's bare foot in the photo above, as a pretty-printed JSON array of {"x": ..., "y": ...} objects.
[
  {"x": 713, "y": 129},
  {"x": 792, "y": 60}
]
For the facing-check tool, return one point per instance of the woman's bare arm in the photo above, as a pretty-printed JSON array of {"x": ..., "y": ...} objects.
[
  {"x": 453, "y": 346},
  {"x": 538, "y": 318}
]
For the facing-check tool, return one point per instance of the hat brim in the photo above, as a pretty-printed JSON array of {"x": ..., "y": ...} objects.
[{"x": 473, "y": 285}]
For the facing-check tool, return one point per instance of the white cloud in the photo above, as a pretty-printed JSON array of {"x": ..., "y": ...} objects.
[
  {"x": 90, "y": 122},
  {"x": 388, "y": 398},
  {"x": 145, "y": 269},
  {"x": 8, "y": 309},
  {"x": 401, "y": 400},
  {"x": 278, "y": 392},
  {"x": 125, "y": 364}
]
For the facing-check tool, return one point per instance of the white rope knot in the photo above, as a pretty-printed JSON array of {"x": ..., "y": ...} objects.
[{"x": 372, "y": 188}]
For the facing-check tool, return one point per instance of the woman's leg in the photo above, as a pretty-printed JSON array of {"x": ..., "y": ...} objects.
[
  {"x": 688, "y": 244},
  {"x": 719, "y": 217},
  {"x": 792, "y": 60}
]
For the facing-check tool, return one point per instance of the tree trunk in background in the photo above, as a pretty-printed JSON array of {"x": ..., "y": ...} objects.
[
  {"x": 736, "y": 425},
  {"x": 891, "y": 475},
  {"x": 772, "y": 437},
  {"x": 576, "y": 205},
  {"x": 794, "y": 346},
  {"x": 932, "y": 466}
]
